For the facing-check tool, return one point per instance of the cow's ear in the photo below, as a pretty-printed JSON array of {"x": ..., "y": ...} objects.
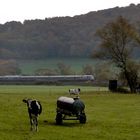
[{"x": 24, "y": 100}]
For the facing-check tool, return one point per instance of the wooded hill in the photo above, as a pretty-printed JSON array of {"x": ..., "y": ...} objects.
[{"x": 59, "y": 36}]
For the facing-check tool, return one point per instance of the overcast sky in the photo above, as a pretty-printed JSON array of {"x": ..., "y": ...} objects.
[{"x": 19, "y": 10}]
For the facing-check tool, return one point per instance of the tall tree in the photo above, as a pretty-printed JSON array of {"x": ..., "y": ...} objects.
[{"x": 118, "y": 39}]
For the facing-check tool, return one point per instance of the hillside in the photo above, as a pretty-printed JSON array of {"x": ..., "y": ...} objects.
[{"x": 59, "y": 36}]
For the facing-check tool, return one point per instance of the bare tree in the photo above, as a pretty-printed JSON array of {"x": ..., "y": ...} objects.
[{"x": 118, "y": 42}]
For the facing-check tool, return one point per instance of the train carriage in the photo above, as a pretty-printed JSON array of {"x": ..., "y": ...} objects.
[{"x": 17, "y": 79}]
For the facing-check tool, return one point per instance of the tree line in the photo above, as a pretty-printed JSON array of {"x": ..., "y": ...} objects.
[{"x": 59, "y": 36}]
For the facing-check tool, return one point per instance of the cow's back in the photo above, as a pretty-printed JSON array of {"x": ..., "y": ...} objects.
[{"x": 35, "y": 107}]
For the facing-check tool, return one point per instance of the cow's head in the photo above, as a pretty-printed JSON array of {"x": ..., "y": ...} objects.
[{"x": 26, "y": 100}]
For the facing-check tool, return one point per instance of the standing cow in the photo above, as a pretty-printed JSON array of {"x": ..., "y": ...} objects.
[
  {"x": 34, "y": 109},
  {"x": 75, "y": 91}
]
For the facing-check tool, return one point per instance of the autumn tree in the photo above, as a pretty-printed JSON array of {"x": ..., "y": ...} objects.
[
  {"x": 118, "y": 40},
  {"x": 88, "y": 69},
  {"x": 103, "y": 73},
  {"x": 64, "y": 69},
  {"x": 9, "y": 67}
]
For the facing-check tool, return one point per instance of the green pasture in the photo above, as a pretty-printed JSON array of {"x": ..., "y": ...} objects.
[
  {"x": 110, "y": 116},
  {"x": 30, "y": 66},
  {"x": 76, "y": 64}
]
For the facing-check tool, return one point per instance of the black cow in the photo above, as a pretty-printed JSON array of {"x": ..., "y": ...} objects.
[{"x": 34, "y": 109}]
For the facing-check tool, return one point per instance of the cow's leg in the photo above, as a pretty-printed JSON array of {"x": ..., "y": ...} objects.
[
  {"x": 31, "y": 122},
  {"x": 36, "y": 124},
  {"x": 31, "y": 119}
]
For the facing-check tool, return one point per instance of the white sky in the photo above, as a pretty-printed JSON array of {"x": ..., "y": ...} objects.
[{"x": 19, "y": 10}]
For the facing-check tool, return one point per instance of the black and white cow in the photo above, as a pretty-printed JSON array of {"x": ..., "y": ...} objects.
[
  {"x": 34, "y": 109},
  {"x": 74, "y": 91}
]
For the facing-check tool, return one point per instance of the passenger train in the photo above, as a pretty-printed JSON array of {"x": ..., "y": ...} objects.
[{"x": 18, "y": 79}]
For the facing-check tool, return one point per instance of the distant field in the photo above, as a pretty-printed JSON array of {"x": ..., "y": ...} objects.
[
  {"x": 110, "y": 116},
  {"x": 30, "y": 66}
]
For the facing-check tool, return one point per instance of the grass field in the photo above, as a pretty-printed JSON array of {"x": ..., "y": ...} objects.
[
  {"x": 110, "y": 116},
  {"x": 76, "y": 64}
]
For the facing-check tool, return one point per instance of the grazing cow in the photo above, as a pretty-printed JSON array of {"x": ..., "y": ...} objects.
[
  {"x": 74, "y": 91},
  {"x": 34, "y": 109}
]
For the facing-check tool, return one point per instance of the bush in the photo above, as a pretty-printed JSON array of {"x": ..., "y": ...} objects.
[{"x": 122, "y": 90}]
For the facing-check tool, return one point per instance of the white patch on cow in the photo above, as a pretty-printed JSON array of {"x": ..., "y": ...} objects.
[
  {"x": 38, "y": 105},
  {"x": 29, "y": 103}
]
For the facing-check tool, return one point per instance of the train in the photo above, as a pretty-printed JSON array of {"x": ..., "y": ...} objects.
[{"x": 19, "y": 79}]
